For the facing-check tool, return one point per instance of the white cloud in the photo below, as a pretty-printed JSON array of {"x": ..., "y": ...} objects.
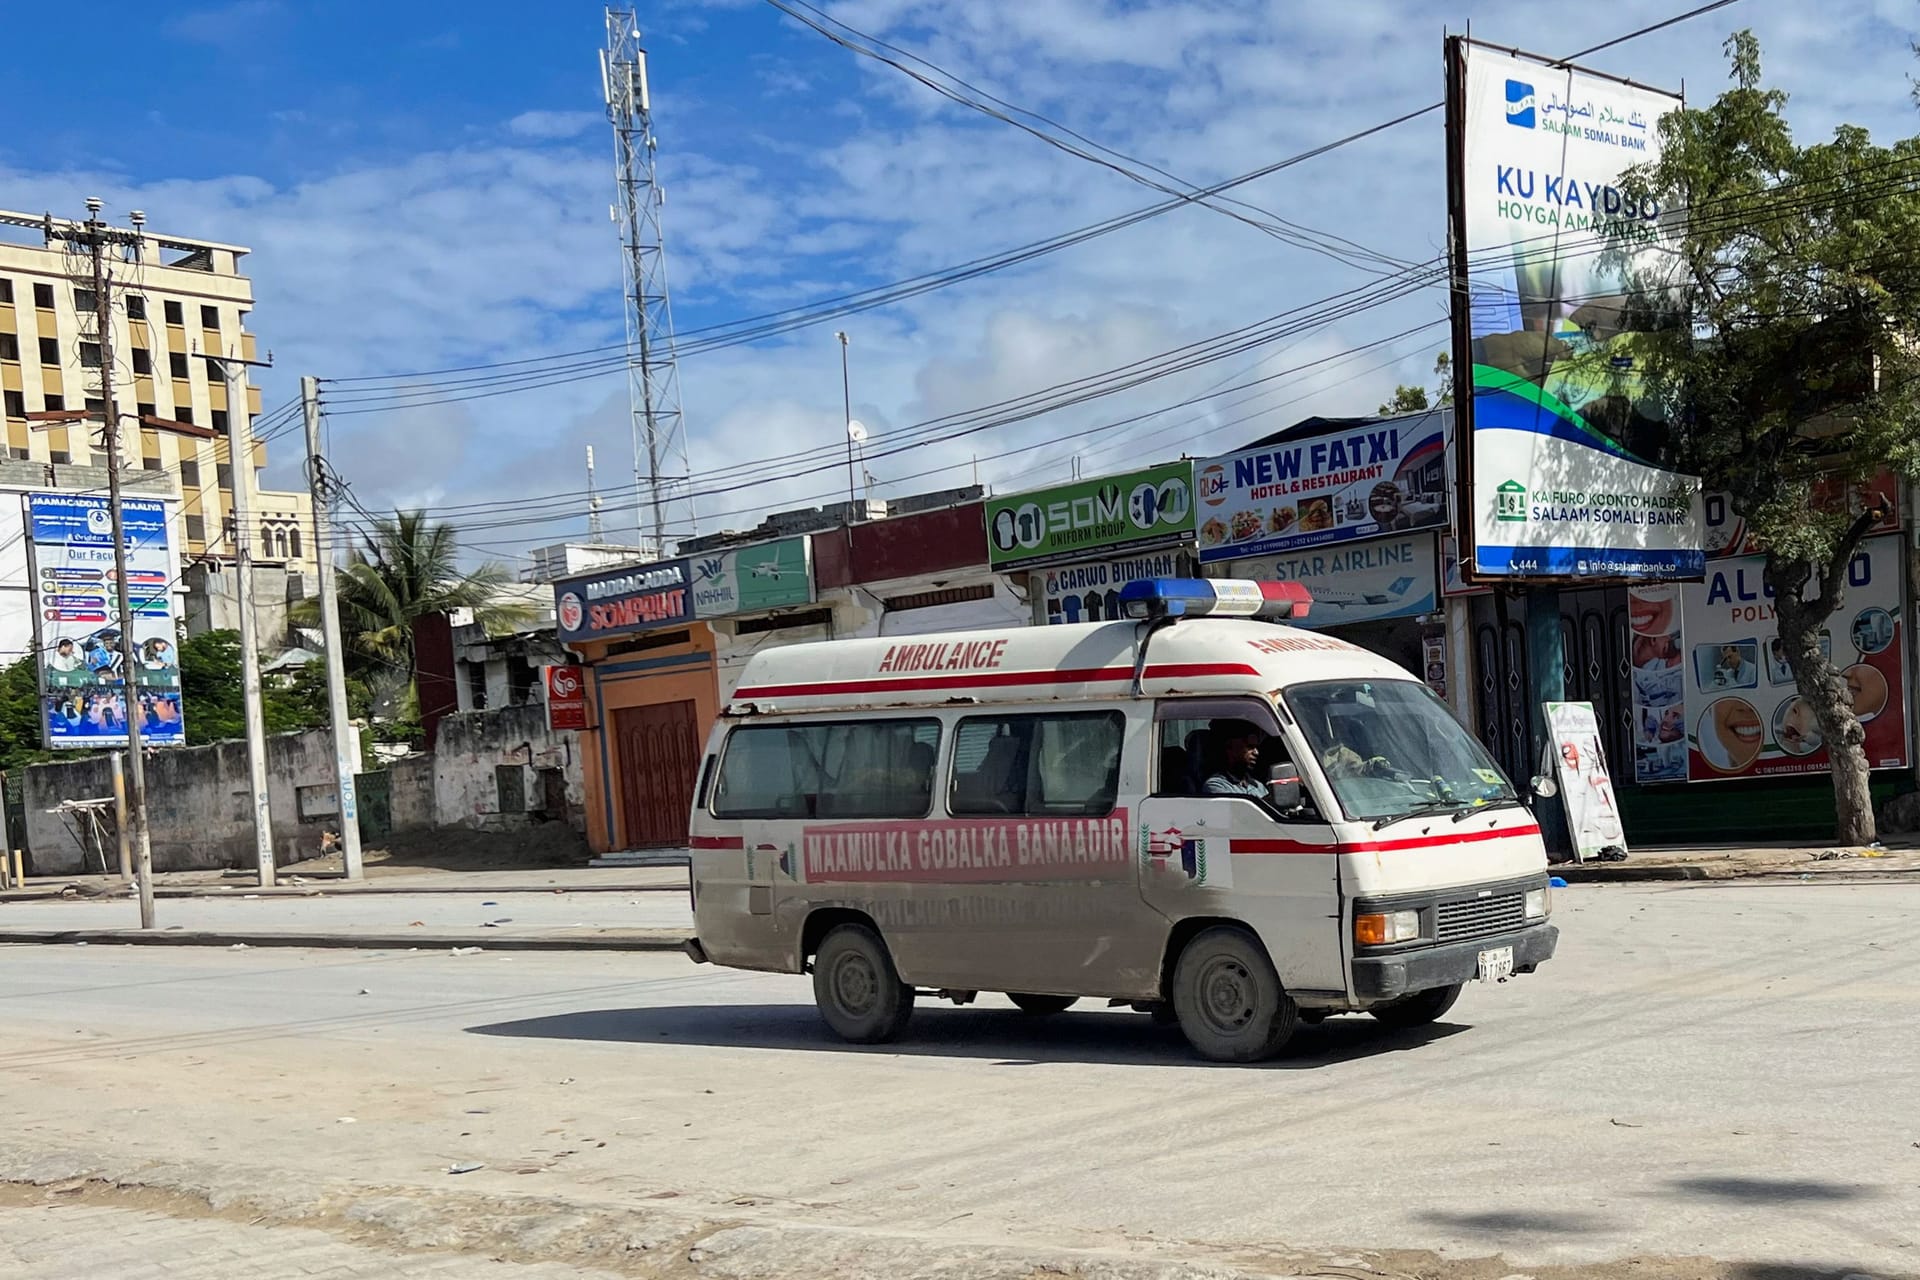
[{"x": 547, "y": 126}]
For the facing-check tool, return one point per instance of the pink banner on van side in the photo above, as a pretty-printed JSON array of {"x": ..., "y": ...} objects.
[{"x": 969, "y": 851}]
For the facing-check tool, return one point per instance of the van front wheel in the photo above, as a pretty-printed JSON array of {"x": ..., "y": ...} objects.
[
  {"x": 858, "y": 990},
  {"x": 1229, "y": 1000}
]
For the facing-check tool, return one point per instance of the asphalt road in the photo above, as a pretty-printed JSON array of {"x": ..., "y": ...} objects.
[{"x": 1722, "y": 1071}]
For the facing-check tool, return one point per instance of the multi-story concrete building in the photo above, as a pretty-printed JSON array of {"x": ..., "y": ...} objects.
[{"x": 171, "y": 299}]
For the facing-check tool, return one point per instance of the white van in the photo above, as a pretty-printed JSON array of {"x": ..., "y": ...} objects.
[{"x": 1198, "y": 813}]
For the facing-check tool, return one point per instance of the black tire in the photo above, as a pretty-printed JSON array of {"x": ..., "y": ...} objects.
[
  {"x": 1041, "y": 1005},
  {"x": 1418, "y": 1009},
  {"x": 1231, "y": 1005},
  {"x": 857, "y": 989}
]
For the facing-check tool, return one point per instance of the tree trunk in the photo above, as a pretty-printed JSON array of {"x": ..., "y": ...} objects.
[{"x": 1823, "y": 685}]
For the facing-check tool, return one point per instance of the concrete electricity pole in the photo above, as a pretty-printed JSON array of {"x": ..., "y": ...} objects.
[
  {"x": 233, "y": 370},
  {"x": 343, "y": 746}
]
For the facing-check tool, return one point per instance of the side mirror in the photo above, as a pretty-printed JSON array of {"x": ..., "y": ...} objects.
[
  {"x": 1544, "y": 787},
  {"x": 1283, "y": 788}
]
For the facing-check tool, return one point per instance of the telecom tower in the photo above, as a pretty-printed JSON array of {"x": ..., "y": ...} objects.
[{"x": 653, "y": 378}]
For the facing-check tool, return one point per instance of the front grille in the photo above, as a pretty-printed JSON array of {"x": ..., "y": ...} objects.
[{"x": 1477, "y": 917}]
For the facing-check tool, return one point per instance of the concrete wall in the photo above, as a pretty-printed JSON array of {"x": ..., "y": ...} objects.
[
  {"x": 197, "y": 805},
  {"x": 474, "y": 745},
  {"x": 410, "y": 782}
]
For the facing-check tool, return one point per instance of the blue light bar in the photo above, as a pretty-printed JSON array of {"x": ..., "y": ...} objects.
[{"x": 1219, "y": 597}]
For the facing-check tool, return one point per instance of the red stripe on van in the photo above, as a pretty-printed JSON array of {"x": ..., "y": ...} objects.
[
  {"x": 718, "y": 842},
  {"x": 995, "y": 679},
  {"x": 1380, "y": 846}
]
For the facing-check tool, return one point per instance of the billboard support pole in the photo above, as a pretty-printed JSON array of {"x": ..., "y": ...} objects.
[
  {"x": 120, "y": 813},
  {"x": 343, "y": 745}
]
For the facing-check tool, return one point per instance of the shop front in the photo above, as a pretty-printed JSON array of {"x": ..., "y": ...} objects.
[{"x": 651, "y": 699}]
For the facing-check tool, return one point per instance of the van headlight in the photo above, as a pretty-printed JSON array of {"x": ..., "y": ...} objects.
[
  {"x": 1539, "y": 903},
  {"x": 1384, "y": 928}
]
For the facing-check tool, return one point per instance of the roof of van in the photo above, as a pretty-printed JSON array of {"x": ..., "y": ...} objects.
[{"x": 1037, "y": 664}]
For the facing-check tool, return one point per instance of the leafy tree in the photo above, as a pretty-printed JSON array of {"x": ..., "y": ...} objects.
[
  {"x": 1412, "y": 399},
  {"x": 210, "y": 689},
  {"x": 20, "y": 713},
  {"x": 404, "y": 569},
  {"x": 1799, "y": 372}
]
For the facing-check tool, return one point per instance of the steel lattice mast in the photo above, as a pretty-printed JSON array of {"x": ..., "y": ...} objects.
[{"x": 659, "y": 432}]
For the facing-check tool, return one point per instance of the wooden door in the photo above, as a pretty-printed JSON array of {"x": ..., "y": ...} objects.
[{"x": 658, "y": 750}]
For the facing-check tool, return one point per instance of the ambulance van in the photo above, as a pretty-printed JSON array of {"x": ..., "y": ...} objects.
[{"x": 1196, "y": 811}]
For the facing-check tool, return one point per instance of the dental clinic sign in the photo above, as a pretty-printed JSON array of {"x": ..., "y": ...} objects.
[
  {"x": 1570, "y": 274},
  {"x": 1152, "y": 507}
]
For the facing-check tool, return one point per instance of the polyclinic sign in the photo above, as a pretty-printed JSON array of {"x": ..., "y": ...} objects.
[
  {"x": 1568, "y": 276},
  {"x": 1154, "y": 505},
  {"x": 624, "y": 600}
]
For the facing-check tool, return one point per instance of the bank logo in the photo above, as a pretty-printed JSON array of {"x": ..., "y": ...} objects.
[
  {"x": 1520, "y": 104},
  {"x": 1510, "y": 501}
]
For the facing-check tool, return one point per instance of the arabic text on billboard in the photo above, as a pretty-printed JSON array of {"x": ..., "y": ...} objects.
[
  {"x": 83, "y": 683},
  {"x": 1569, "y": 274},
  {"x": 1154, "y": 505},
  {"x": 772, "y": 575},
  {"x": 1386, "y": 477}
]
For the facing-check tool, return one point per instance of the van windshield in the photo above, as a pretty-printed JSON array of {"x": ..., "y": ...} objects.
[{"x": 1391, "y": 749}]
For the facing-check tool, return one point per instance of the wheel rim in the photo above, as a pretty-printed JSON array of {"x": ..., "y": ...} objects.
[
  {"x": 1228, "y": 995},
  {"x": 855, "y": 984}
]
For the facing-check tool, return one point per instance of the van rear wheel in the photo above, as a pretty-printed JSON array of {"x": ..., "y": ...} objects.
[
  {"x": 856, "y": 987},
  {"x": 1038, "y": 1005},
  {"x": 1229, "y": 1000},
  {"x": 1418, "y": 1009}
]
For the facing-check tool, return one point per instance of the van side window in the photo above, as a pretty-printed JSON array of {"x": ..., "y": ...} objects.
[
  {"x": 865, "y": 769},
  {"x": 1188, "y": 746},
  {"x": 1052, "y": 764}
]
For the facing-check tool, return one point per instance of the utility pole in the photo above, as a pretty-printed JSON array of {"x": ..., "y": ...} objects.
[
  {"x": 846, "y": 401},
  {"x": 233, "y": 371},
  {"x": 94, "y": 236},
  {"x": 343, "y": 762}
]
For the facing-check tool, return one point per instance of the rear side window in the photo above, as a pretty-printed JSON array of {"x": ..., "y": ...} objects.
[
  {"x": 1063, "y": 764},
  {"x": 842, "y": 769}
]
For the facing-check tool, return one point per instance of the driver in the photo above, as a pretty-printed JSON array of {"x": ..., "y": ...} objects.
[
  {"x": 1342, "y": 761},
  {"x": 1238, "y": 743}
]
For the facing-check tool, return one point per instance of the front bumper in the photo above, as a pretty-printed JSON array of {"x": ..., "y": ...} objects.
[{"x": 1404, "y": 972}]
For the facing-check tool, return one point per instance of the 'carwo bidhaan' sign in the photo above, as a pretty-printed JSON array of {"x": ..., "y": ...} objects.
[{"x": 1567, "y": 274}]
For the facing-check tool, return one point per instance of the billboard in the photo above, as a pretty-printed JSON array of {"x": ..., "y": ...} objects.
[
  {"x": 637, "y": 597},
  {"x": 1382, "y": 477},
  {"x": 1366, "y": 582},
  {"x": 83, "y": 684},
  {"x": 1151, "y": 506},
  {"x": 1715, "y": 700},
  {"x": 770, "y": 575},
  {"x": 1563, "y": 276},
  {"x": 1089, "y": 591}
]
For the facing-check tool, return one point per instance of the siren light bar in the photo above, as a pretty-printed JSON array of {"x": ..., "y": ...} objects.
[{"x": 1219, "y": 597}]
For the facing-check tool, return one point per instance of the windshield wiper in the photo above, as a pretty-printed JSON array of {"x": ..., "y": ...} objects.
[
  {"x": 1437, "y": 804},
  {"x": 1505, "y": 802}
]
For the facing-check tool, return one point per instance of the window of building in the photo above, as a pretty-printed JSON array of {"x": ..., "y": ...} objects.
[
  {"x": 1052, "y": 764},
  {"x": 189, "y": 472},
  {"x": 6, "y": 290},
  {"x": 43, "y": 296},
  {"x": 89, "y": 355},
  {"x": 840, "y": 769},
  {"x": 177, "y": 364},
  {"x": 142, "y": 360},
  {"x": 50, "y": 351},
  {"x": 209, "y": 316},
  {"x": 196, "y": 529},
  {"x": 280, "y": 542},
  {"x": 184, "y": 413},
  {"x": 16, "y": 404},
  {"x": 85, "y": 301},
  {"x": 220, "y": 420},
  {"x": 476, "y": 685},
  {"x": 95, "y": 405},
  {"x": 145, "y": 410},
  {"x": 136, "y": 307},
  {"x": 223, "y": 475},
  {"x": 175, "y": 313},
  {"x": 150, "y": 463},
  {"x": 266, "y": 541},
  {"x": 54, "y": 400},
  {"x": 9, "y": 346},
  {"x": 18, "y": 454},
  {"x": 60, "y": 457},
  {"x": 216, "y": 372},
  {"x": 293, "y": 542}
]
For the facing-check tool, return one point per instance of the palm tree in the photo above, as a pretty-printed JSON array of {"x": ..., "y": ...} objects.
[{"x": 403, "y": 569}]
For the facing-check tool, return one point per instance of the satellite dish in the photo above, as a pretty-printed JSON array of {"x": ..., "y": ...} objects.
[{"x": 856, "y": 432}]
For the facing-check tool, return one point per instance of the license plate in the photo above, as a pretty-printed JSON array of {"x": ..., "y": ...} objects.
[{"x": 1496, "y": 965}]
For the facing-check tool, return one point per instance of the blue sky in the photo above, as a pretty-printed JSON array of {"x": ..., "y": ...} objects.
[{"x": 427, "y": 186}]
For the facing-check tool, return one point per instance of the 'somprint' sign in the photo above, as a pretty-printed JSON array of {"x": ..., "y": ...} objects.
[{"x": 618, "y": 601}]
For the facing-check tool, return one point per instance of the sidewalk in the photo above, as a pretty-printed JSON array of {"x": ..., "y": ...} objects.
[
  {"x": 1759, "y": 862},
  {"x": 318, "y": 878}
]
